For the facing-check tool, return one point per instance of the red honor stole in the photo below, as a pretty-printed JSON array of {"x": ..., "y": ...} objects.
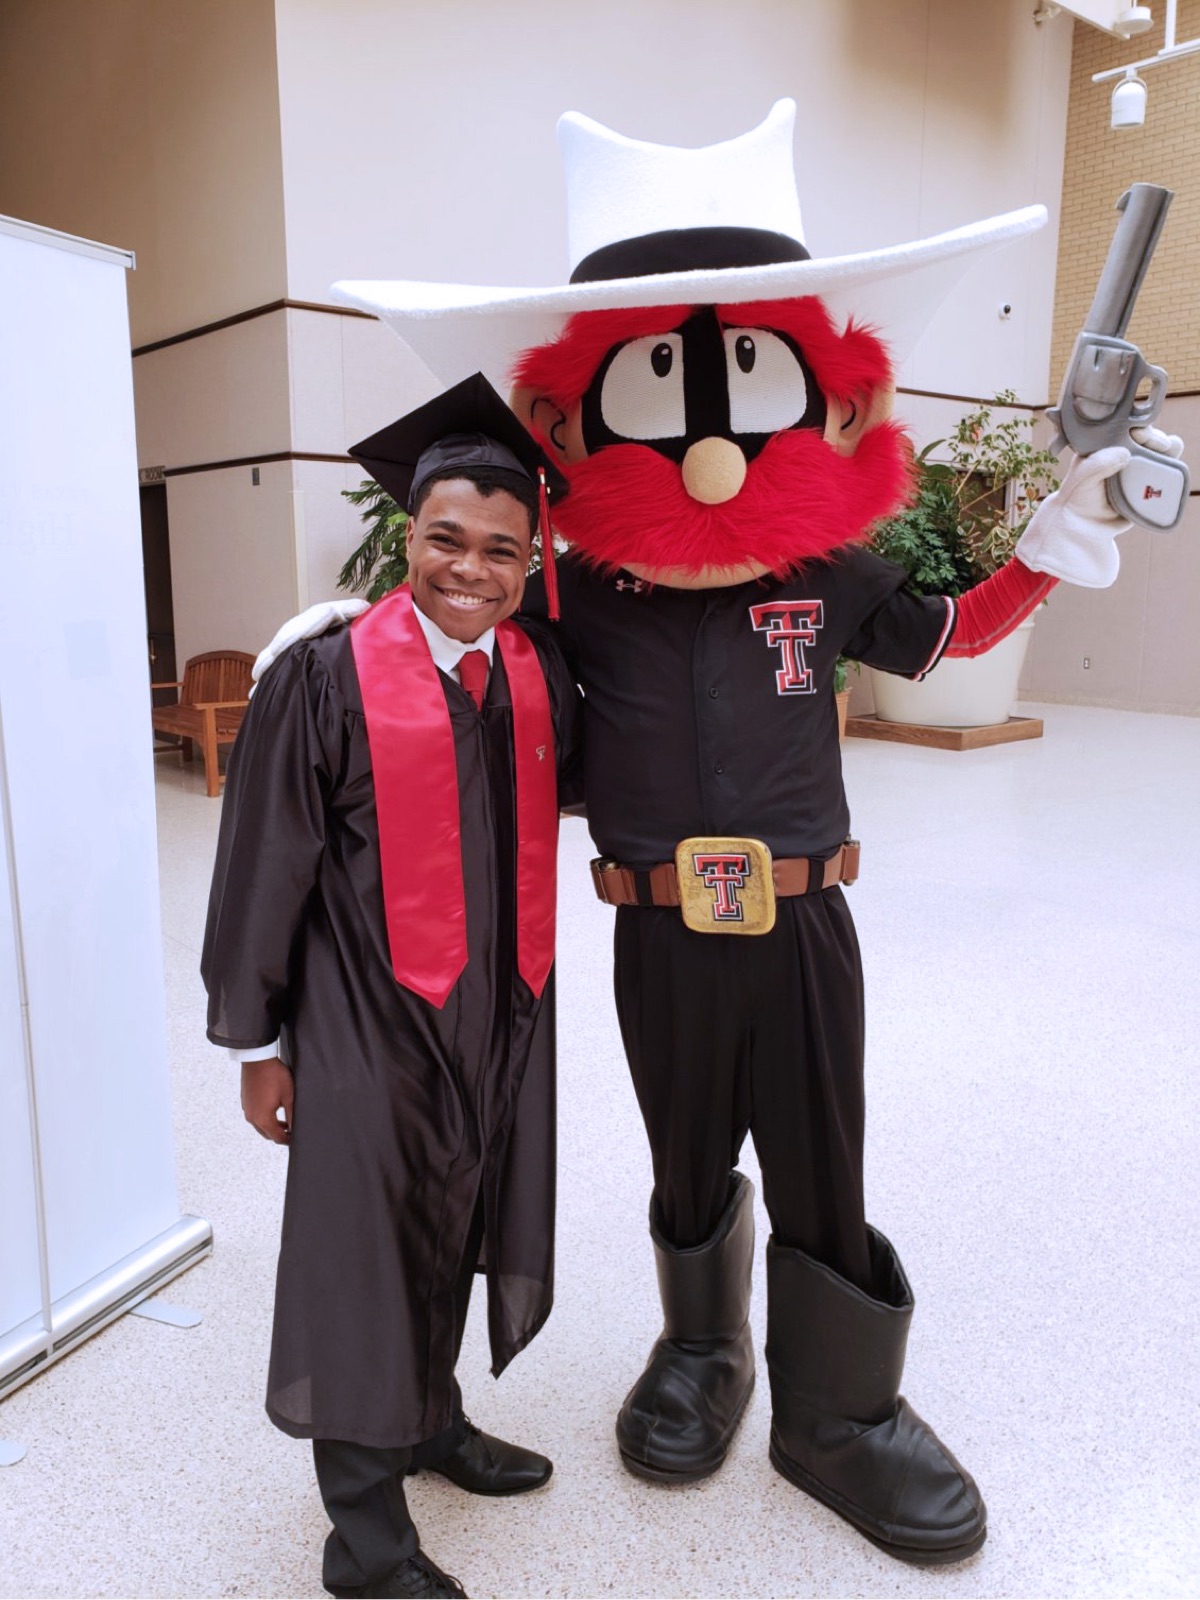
[{"x": 416, "y": 798}]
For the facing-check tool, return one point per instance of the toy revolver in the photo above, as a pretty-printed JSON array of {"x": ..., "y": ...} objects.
[{"x": 1099, "y": 403}]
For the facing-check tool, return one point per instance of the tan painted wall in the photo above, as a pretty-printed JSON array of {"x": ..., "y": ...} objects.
[
  {"x": 153, "y": 125},
  {"x": 915, "y": 116}
]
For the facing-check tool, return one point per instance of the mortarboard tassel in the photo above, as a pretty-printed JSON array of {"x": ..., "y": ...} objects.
[{"x": 548, "y": 566}]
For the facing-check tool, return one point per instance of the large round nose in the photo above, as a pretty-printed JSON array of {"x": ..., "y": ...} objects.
[{"x": 713, "y": 471}]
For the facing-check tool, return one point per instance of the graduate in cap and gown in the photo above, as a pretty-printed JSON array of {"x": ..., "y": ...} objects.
[{"x": 378, "y": 956}]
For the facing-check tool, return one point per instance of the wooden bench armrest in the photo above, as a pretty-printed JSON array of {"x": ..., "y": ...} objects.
[{"x": 218, "y": 705}]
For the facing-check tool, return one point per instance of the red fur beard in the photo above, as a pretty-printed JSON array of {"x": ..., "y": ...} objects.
[{"x": 627, "y": 504}]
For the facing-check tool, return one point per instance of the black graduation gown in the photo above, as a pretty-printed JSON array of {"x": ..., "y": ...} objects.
[{"x": 406, "y": 1116}]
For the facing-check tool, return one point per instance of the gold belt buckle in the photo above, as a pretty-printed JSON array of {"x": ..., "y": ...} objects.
[{"x": 725, "y": 885}]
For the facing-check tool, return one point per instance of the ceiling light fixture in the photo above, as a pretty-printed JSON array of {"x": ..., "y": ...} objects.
[
  {"x": 1129, "y": 96},
  {"x": 1129, "y": 102},
  {"x": 1134, "y": 19}
]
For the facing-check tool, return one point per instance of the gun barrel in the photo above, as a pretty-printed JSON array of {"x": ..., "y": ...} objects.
[{"x": 1143, "y": 209}]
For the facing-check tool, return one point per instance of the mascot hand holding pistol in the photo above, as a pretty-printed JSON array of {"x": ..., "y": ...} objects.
[{"x": 720, "y": 405}]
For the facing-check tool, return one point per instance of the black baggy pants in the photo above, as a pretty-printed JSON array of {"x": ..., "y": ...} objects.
[
  {"x": 362, "y": 1485},
  {"x": 729, "y": 1034}
]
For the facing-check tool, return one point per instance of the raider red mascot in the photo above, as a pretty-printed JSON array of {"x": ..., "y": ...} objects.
[{"x": 720, "y": 405}]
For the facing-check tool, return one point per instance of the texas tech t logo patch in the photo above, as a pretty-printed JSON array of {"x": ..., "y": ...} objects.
[
  {"x": 726, "y": 873},
  {"x": 790, "y": 625},
  {"x": 726, "y": 884}
]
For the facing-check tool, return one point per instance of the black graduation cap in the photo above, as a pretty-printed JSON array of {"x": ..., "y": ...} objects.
[{"x": 468, "y": 426}]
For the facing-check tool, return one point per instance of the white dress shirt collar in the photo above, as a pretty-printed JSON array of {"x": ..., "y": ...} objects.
[{"x": 447, "y": 652}]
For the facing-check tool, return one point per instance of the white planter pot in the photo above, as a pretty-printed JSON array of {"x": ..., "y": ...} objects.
[{"x": 965, "y": 692}]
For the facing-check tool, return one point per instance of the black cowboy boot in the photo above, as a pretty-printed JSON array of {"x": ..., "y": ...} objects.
[
  {"x": 679, "y": 1418},
  {"x": 840, "y": 1428}
]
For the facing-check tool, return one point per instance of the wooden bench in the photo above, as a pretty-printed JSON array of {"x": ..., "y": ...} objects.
[{"x": 209, "y": 708}]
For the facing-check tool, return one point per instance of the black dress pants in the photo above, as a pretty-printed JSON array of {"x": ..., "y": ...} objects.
[
  {"x": 362, "y": 1485},
  {"x": 729, "y": 1034}
]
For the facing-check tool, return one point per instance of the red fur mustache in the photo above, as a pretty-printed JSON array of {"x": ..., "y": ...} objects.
[{"x": 627, "y": 504}]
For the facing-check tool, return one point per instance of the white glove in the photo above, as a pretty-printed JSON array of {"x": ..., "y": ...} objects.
[
  {"x": 1073, "y": 533},
  {"x": 310, "y": 624}
]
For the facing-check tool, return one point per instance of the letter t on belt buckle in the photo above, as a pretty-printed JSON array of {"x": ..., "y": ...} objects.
[{"x": 725, "y": 885}]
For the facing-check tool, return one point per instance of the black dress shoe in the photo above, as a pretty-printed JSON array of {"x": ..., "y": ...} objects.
[
  {"x": 417, "y": 1577},
  {"x": 485, "y": 1465}
]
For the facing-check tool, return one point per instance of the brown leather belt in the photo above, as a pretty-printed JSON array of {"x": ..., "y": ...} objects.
[{"x": 659, "y": 886}]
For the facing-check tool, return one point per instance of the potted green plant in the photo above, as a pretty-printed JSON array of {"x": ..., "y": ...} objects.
[
  {"x": 974, "y": 494},
  {"x": 379, "y": 563}
]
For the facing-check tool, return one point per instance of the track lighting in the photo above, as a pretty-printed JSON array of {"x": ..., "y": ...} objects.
[{"x": 1129, "y": 102}]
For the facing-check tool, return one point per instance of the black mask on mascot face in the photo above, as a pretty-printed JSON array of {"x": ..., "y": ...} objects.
[
  {"x": 702, "y": 381},
  {"x": 705, "y": 446}
]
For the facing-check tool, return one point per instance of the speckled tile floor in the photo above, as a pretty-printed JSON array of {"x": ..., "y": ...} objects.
[{"x": 1031, "y": 937}]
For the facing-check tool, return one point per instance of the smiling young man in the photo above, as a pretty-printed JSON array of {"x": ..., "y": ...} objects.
[{"x": 378, "y": 957}]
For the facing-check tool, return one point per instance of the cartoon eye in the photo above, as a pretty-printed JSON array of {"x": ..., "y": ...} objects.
[
  {"x": 767, "y": 389},
  {"x": 642, "y": 393}
]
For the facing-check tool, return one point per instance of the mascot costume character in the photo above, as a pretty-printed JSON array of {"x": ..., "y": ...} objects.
[{"x": 720, "y": 404}]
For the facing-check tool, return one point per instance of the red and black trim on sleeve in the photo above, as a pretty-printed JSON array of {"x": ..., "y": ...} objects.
[
  {"x": 943, "y": 638},
  {"x": 994, "y": 608}
]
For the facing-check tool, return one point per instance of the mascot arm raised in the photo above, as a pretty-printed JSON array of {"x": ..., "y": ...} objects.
[{"x": 1071, "y": 536}]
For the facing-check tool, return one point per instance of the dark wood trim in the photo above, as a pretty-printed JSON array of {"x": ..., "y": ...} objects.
[
  {"x": 255, "y": 461},
  {"x": 1022, "y": 405},
  {"x": 976, "y": 400},
  {"x": 249, "y": 316}
]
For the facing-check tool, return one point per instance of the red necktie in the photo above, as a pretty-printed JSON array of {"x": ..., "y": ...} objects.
[{"x": 473, "y": 675}]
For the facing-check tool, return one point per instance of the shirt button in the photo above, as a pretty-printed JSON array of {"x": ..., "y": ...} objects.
[
  {"x": 718, "y": 769},
  {"x": 713, "y": 693}
]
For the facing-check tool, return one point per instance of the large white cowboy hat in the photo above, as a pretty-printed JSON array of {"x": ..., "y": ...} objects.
[{"x": 653, "y": 224}]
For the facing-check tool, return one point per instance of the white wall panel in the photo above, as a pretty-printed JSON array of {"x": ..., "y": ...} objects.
[
  {"x": 20, "y": 1277},
  {"x": 73, "y": 678}
]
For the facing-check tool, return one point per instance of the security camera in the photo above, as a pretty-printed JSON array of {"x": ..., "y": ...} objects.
[
  {"x": 1004, "y": 310},
  {"x": 1128, "y": 102}
]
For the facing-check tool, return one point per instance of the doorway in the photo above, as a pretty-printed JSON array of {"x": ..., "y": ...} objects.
[{"x": 160, "y": 612}]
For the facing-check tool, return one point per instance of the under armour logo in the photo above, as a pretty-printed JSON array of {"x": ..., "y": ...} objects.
[
  {"x": 790, "y": 625},
  {"x": 636, "y": 584},
  {"x": 541, "y": 752},
  {"x": 725, "y": 874}
]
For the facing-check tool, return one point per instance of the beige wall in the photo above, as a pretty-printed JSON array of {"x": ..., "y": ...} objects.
[
  {"x": 915, "y": 116},
  {"x": 191, "y": 130},
  {"x": 1140, "y": 640},
  {"x": 153, "y": 125}
]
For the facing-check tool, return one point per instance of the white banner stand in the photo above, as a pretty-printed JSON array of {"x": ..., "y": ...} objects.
[{"x": 89, "y": 1214}]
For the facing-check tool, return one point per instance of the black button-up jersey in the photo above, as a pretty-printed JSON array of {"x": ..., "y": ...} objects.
[{"x": 711, "y": 711}]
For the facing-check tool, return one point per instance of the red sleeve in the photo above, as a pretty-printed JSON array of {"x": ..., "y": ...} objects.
[{"x": 990, "y": 611}]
